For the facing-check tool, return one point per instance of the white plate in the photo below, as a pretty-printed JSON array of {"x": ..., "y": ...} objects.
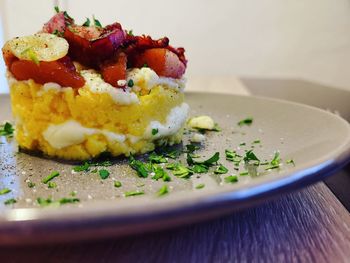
[{"x": 316, "y": 140}]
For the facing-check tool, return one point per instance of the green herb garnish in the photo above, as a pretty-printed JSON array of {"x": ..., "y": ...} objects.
[
  {"x": 200, "y": 168},
  {"x": 51, "y": 185},
  {"x": 57, "y": 9},
  {"x": 57, "y": 33},
  {"x": 190, "y": 148},
  {"x": 247, "y": 121},
  {"x": 200, "y": 186},
  {"x": 217, "y": 128},
  {"x": 50, "y": 177},
  {"x": 117, "y": 184},
  {"x": 163, "y": 190},
  {"x": 130, "y": 83},
  {"x": 231, "y": 179},
  {"x": 139, "y": 167},
  {"x": 5, "y": 191},
  {"x": 133, "y": 193},
  {"x": 160, "y": 173},
  {"x": 244, "y": 173},
  {"x": 179, "y": 170},
  {"x": 10, "y": 201},
  {"x": 221, "y": 170},
  {"x": 44, "y": 202},
  {"x": 275, "y": 162},
  {"x": 155, "y": 158},
  {"x": 130, "y": 33},
  {"x": 256, "y": 141},
  {"x": 291, "y": 161},
  {"x": 172, "y": 154},
  {"x": 250, "y": 156},
  {"x": 30, "y": 184},
  {"x": 242, "y": 144},
  {"x": 96, "y": 22},
  {"x": 66, "y": 200},
  {"x": 6, "y": 129},
  {"x": 87, "y": 22},
  {"x": 145, "y": 65},
  {"x": 209, "y": 162},
  {"x": 103, "y": 174},
  {"x": 154, "y": 131},
  {"x": 82, "y": 168}
]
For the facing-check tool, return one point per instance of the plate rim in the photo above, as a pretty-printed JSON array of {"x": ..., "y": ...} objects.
[{"x": 221, "y": 202}]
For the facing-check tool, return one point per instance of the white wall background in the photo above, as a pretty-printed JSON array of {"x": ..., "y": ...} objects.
[{"x": 307, "y": 39}]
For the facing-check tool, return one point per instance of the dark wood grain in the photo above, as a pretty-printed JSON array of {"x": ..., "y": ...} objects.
[{"x": 307, "y": 226}]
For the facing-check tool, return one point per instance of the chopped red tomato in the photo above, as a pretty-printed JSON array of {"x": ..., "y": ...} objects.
[
  {"x": 164, "y": 62},
  {"x": 114, "y": 70},
  {"x": 61, "y": 71}
]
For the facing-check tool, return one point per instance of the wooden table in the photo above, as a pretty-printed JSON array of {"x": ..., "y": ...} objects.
[{"x": 306, "y": 226}]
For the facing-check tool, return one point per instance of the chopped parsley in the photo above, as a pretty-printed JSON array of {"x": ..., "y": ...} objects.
[
  {"x": 232, "y": 156},
  {"x": 5, "y": 191},
  {"x": 221, "y": 170},
  {"x": 172, "y": 154},
  {"x": 30, "y": 184},
  {"x": 179, "y": 170},
  {"x": 130, "y": 83},
  {"x": 139, "y": 167},
  {"x": 82, "y": 168},
  {"x": 154, "y": 131},
  {"x": 200, "y": 186},
  {"x": 160, "y": 173},
  {"x": 103, "y": 174},
  {"x": 130, "y": 33},
  {"x": 58, "y": 33},
  {"x": 96, "y": 22},
  {"x": 250, "y": 156},
  {"x": 163, "y": 190},
  {"x": 10, "y": 201},
  {"x": 244, "y": 173},
  {"x": 66, "y": 200},
  {"x": 50, "y": 177},
  {"x": 231, "y": 179},
  {"x": 242, "y": 144},
  {"x": 247, "y": 121},
  {"x": 48, "y": 202},
  {"x": 190, "y": 148},
  {"x": 57, "y": 9},
  {"x": 133, "y": 193},
  {"x": 216, "y": 128},
  {"x": 117, "y": 184},
  {"x": 209, "y": 162},
  {"x": 87, "y": 22},
  {"x": 44, "y": 202},
  {"x": 200, "y": 168},
  {"x": 145, "y": 65},
  {"x": 275, "y": 162},
  {"x": 291, "y": 161},
  {"x": 256, "y": 141},
  {"x": 51, "y": 185},
  {"x": 155, "y": 158},
  {"x": 6, "y": 129}
]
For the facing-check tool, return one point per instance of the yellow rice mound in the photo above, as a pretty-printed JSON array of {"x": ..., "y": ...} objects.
[{"x": 35, "y": 109}]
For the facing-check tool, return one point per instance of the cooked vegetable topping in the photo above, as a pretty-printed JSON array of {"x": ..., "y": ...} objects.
[{"x": 103, "y": 174}]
